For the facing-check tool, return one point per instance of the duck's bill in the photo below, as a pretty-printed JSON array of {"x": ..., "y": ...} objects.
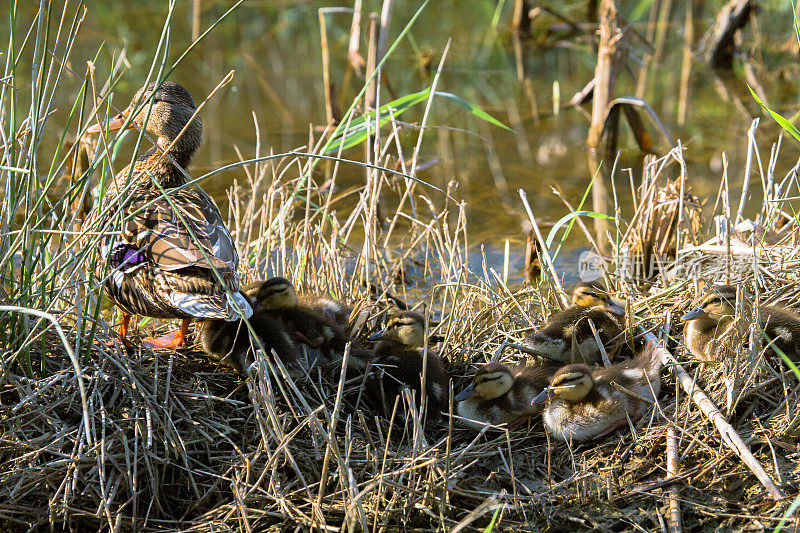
[
  {"x": 383, "y": 334},
  {"x": 694, "y": 314},
  {"x": 545, "y": 395},
  {"x": 615, "y": 307},
  {"x": 114, "y": 124},
  {"x": 467, "y": 393}
]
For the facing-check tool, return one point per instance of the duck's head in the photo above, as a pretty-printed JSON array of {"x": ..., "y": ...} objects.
[
  {"x": 592, "y": 295},
  {"x": 718, "y": 304},
  {"x": 172, "y": 108},
  {"x": 571, "y": 383},
  {"x": 407, "y": 327},
  {"x": 490, "y": 382},
  {"x": 274, "y": 293}
]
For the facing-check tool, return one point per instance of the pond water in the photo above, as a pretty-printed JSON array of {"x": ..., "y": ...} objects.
[{"x": 274, "y": 49}]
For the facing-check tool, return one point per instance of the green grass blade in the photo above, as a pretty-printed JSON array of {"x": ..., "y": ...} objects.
[
  {"x": 361, "y": 127},
  {"x": 490, "y": 527},
  {"x": 785, "y": 124},
  {"x": 566, "y": 218},
  {"x": 472, "y": 108}
]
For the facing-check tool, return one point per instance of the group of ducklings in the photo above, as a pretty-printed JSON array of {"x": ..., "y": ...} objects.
[
  {"x": 174, "y": 258},
  {"x": 577, "y": 401}
]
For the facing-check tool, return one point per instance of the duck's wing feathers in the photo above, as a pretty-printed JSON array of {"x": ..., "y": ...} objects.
[
  {"x": 162, "y": 263},
  {"x": 186, "y": 231}
]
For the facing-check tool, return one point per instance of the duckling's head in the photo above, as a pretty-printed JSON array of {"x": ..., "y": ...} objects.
[
  {"x": 592, "y": 295},
  {"x": 407, "y": 327},
  {"x": 491, "y": 381},
  {"x": 172, "y": 108},
  {"x": 571, "y": 383},
  {"x": 274, "y": 293},
  {"x": 718, "y": 304}
]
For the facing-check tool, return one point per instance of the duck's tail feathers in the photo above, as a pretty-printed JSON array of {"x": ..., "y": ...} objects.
[{"x": 225, "y": 307}]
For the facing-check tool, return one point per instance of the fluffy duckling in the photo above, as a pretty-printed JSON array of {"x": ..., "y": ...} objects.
[
  {"x": 568, "y": 338},
  {"x": 586, "y": 404},
  {"x": 500, "y": 394},
  {"x": 399, "y": 351},
  {"x": 315, "y": 325},
  {"x": 709, "y": 324},
  {"x": 233, "y": 344}
]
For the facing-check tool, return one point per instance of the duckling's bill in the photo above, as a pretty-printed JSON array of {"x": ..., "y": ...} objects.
[
  {"x": 467, "y": 393},
  {"x": 694, "y": 314},
  {"x": 379, "y": 336},
  {"x": 615, "y": 307},
  {"x": 546, "y": 395}
]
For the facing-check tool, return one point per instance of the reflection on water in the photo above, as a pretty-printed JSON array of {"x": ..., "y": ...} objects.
[{"x": 274, "y": 48}]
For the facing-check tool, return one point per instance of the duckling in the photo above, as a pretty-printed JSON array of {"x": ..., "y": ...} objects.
[
  {"x": 500, "y": 394},
  {"x": 315, "y": 325},
  {"x": 233, "y": 344},
  {"x": 567, "y": 337},
  {"x": 586, "y": 404},
  {"x": 399, "y": 351},
  {"x": 168, "y": 257},
  {"x": 710, "y": 324}
]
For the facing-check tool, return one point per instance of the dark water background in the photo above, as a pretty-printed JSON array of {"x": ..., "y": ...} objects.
[{"x": 274, "y": 48}]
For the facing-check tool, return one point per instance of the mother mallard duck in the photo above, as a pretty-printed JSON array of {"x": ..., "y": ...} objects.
[{"x": 169, "y": 254}]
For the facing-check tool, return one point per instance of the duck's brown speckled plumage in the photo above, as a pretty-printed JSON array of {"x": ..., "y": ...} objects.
[
  {"x": 587, "y": 403},
  {"x": 502, "y": 394},
  {"x": 400, "y": 357},
  {"x": 709, "y": 327},
  {"x": 568, "y": 337},
  {"x": 313, "y": 317},
  {"x": 161, "y": 263}
]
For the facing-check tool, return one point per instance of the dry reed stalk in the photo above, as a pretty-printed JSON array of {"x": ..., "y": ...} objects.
[{"x": 674, "y": 516}]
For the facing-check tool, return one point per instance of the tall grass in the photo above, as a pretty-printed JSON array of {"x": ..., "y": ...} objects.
[{"x": 169, "y": 441}]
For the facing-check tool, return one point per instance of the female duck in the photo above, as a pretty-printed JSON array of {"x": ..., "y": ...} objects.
[
  {"x": 399, "y": 354},
  {"x": 169, "y": 257},
  {"x": 585, "y": 404},
  {"x": 500, "y": 394},
  {"x": 568, "y": 337},
  {"x": 710, "y": 325}
]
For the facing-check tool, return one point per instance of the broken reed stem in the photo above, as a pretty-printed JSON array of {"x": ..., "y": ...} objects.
[
  {"x": 729, "y": 435},
  {"x": 674, "y": 514},
  {"x": 544, "y": 251},
  {"x": 326, "y": 67},
  {"x": 686, "y": 67},
  {"x": 353, "y": 55}
]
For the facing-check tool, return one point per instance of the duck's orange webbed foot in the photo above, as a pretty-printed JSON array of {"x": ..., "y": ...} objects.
[
  {"x": 176, "y": 339},
  {"x": 170, "y": 340},
  {"x": 123, "y": 335}
]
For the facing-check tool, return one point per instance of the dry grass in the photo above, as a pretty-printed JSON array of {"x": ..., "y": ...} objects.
[
  {"x": 178, "y": 444},
  {"x": 175, "y": 443}
]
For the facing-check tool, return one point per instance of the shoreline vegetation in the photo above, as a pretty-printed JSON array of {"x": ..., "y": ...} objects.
[{"x": 93, "y": 436}]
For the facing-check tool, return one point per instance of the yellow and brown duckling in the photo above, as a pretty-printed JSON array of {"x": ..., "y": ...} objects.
[
  {"x": 709, "y": 325},
  {"x": 400, "y": 356},
  {"x": 568, "y": 338},
  {"x": 314, "y": 321},
  {"x": 500, "y": 394},
  {"x": 168, "y": 258},
  {"x": 585, "y": 403},
  {"x": 234, "y": 344}
]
